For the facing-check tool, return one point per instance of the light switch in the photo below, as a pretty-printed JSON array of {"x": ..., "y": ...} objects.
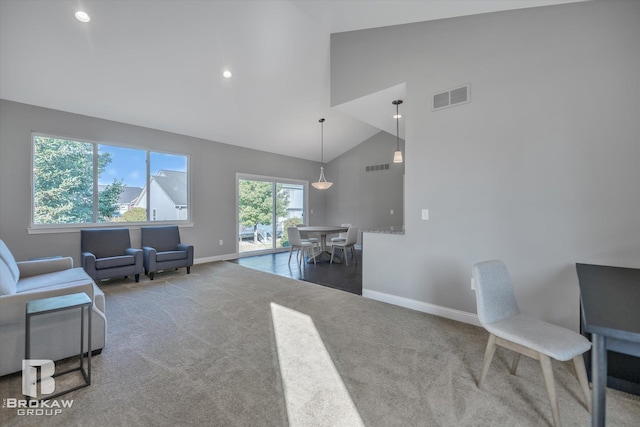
[
  {"x": 391, "y": 211},
  {"x": 425, "y": 214}
]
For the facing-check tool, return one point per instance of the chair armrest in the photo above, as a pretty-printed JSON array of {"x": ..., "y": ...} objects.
[
  {"x": 189, "y": 249},
  {"x": 184, "y": 247},
  {"x": 12, "y": 307},
  {"x": 44, "y": 266},
  {"x": 149, "y": 258},
  {"x": 133, "y": 251}
]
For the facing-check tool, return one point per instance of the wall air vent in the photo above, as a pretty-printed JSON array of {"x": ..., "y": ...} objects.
[
  {"x": 452, "y": 97},
  {"x": 377, "y": 168}
]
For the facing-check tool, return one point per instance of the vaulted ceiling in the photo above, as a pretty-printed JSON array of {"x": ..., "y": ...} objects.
[{"x": 159, "y": 64}]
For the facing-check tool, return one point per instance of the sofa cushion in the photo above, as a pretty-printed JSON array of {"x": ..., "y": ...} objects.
[
  {"x": 116, "y": 261},
  {"x": 7, "y": 282},
  {"x": 170, "y": 255},
  {"x": 10, "y": 261},
  {"x": 57, "y": 278}
]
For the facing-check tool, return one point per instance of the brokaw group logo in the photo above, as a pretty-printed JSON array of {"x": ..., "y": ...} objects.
[
  {"x": 30, "y": 377},
  {"x": 30, "y": 381}
]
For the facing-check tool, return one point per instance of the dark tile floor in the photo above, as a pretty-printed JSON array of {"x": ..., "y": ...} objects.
[{"x": 338, "y": 276}]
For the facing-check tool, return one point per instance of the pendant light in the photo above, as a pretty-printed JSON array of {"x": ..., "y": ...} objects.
[
  {"x": 322, "y": 183},
  {"x": 397, "y": 155}
]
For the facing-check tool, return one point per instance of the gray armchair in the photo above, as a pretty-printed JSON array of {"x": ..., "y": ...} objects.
[
  {"x": 107, "y": 252},
  {"x": 163, "y": 250}
]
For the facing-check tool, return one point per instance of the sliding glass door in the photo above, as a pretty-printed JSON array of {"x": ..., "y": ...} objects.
[{"x": 266, "y": 207}]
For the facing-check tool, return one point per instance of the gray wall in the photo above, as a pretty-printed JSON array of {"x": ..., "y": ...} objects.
[
  {"x": 365, "y": 199},
  {"x": 213, "y": 172},
  {"x": 539, "y": 170}
]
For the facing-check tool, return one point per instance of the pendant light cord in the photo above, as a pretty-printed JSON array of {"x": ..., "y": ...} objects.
[
  {"x": 397, "y": 127},
  {"x": 321, "y": 141}
]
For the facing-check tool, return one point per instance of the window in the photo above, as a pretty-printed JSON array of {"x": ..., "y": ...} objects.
[
  {"x": 266, "y": 207},
  {"x": 80, "y": 182}
]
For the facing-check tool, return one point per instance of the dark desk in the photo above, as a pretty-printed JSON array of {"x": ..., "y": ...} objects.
[{"x": 610, "y": 305}]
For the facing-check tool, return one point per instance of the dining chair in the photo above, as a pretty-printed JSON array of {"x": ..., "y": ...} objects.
[
  {"x": 296, "y": 242},
  {"x": 349, "y": 242},
  {"x": 305, "y": 237},
  {"x": 341, "y": 237},
  {"x": 500, "y": 315}
]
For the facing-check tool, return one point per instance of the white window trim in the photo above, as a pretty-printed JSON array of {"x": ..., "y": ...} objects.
[{"x": 74, "y": 228}]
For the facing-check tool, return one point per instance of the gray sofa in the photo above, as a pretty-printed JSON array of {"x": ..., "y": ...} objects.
[
  {"x": 163, "y": 250},
  {"x": 107, "y": 252},
  {"x": 54, "y": 336}
]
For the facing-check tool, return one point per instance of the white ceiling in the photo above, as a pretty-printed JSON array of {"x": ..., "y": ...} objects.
[{"x": 159, "y": 63}]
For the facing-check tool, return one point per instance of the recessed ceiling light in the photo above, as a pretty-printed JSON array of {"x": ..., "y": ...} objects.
[
  {"x": 82, "y": 16},
  {"x": 227, "y": 74}
]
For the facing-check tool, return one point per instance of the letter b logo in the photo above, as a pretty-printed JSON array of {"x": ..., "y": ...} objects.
[{"x": 30, "y": 377}]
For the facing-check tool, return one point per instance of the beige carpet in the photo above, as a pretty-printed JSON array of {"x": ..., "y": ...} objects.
[{"x": 231, "y": 346}]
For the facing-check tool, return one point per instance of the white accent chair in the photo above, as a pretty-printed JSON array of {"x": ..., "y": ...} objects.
[
  {"x": 306, "y": 237},
  {"x": 296, "y": 242},
  {"x": 341, "y": 237},
  {"x": 349, "y": 242},
  {"x": 499, "y": 314}
]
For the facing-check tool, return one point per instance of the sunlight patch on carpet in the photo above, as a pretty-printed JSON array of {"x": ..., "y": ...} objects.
[{"x": 313, "y": 389}]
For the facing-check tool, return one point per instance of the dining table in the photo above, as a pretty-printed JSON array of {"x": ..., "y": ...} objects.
[
  {"x": 609, "y": 298},
  {"x": 323, "y": 231}
]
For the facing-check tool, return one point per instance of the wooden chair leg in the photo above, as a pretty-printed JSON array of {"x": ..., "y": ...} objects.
[
  {"x": 581, "y": 372},
  {"x": 547, "y": 372},
  {"x": 344, "y": 256},
  {"x": 514, "y": 365},
  {"x": 488, "y": 357}
]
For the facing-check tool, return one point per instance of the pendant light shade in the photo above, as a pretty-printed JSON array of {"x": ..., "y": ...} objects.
[
  {"x": 322, "y": 183},
  {"x": 397, "y": 155}
]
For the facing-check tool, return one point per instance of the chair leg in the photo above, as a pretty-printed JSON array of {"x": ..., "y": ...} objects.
[
  {"x": 581, "y": 372},
  {"x": 290, "y": 253},
  {"x": 488, "y": 357},
  {"x": 137, "y": 277},
  {"x": 547, "y": 372},
  {"x": 333, "y": 250},
  {"x": 344, "y": 256},
  {"x": 188, "y": 269},
  {"x": 514, "y": 366},
  {"x": 353, "y": 253},
  {"x": 151, "y": 274}
]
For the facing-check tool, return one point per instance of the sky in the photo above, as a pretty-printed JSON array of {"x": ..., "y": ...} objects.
[{"x": 129, "y": 164}]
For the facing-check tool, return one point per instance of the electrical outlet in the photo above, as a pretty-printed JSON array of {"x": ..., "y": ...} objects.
[
  {"x": 473, "y": 284},
  {"x": 391, "y": 211},
  {"x": 425, "y": 214},
  {"x": 221, "y": 242}
]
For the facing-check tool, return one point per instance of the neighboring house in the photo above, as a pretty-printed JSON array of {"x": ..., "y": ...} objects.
[
  {"x": 128, "y": 197},
  {"x": 168, "y": 196}
]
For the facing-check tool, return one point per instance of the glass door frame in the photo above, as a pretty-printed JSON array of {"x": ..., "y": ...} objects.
[{"x": 273, "y": 180}]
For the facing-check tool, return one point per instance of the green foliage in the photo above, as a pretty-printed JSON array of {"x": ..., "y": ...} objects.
[
  {"x": 288, "y": 223},
  {"x": 63, "y": 183},
  {"x": 256, "y": 203},
  {"x": 134, "y": 215}
]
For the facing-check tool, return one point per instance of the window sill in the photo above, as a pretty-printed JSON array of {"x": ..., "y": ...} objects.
[{"x": 75, "y": 228}]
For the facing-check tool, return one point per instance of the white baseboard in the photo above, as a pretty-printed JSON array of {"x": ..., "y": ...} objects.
[
  {"x": 449, "y": 313},
  {"x": 215, "y": 258}
]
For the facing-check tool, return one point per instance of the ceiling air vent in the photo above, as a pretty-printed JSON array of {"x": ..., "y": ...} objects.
[{"x": 451, "y": 97}]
